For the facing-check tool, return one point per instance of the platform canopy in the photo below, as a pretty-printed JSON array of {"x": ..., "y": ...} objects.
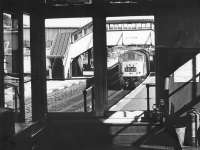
[{"x": 60, "y": 45}]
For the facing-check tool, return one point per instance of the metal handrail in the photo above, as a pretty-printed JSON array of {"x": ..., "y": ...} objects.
[
  {"x": 182, "y": 86},
  {"x": 148, "y": 85},
  {"x": 85, "y": 92}
]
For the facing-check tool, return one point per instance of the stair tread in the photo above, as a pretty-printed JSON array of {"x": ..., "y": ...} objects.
[
  {"x": 190, "y": 148},
  {"x": 159, "y": 147}
]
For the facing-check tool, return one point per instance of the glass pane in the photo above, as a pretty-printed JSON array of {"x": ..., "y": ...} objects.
[
  {"x": 187, "y": 71},
  {"x": 69, "y": 62},
  {"x": 27, "y": 68},
  {"x": 11, "y": 62},
  {"x": 67, "y": 96},
  {"x": 129, "y": 49}
]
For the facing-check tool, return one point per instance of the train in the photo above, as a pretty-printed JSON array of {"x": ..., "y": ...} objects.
[
  {"x": 127, "y": 66},
  {"x": 134, "y": 66}
]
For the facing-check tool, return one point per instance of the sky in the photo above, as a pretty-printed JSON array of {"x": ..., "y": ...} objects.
[{"x": 78, "y": 22}]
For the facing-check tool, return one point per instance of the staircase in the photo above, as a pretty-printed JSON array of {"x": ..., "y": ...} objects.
[
  {"x": 174, "y": 63},
  {"x": 114, "y": 77},
  {"x": 130, "y": 133}
]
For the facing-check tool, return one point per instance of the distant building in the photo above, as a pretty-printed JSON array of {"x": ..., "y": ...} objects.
[
  {"x": 50, "y": 32},
  {"x": 10, "y": 60}
]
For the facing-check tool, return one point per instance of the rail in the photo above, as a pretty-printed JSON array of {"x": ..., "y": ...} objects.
[
  {"x": 187, "y": 107},
  {"x": 148, "y": 85},
  {"x": 186, "y": 83},
  {"x": 85, "y": 92}
]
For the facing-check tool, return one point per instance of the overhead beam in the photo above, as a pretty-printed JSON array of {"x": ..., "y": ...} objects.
[
  {"x": 21, "y": 67},
  {"x": 67, "y": 11},
  {"x": 137, "y": 7},
  {"x": 90, "y": 10}
]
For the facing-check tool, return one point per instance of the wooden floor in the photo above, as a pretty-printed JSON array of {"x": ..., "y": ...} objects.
[
  {"x": 139, "y": 148},
  {"x": 116, "y": 148},
  {"x": 190, "y": 148}
]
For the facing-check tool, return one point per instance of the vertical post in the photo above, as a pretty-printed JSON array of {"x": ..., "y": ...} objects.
[
  {"x": 157, "y": 61},
  {"x": 15, "y": 61},
  {"x": 193, "y": 131},
  {"x": 148, "y": 98},
  {"x": 15, "y": 95},
  {"x": 21, "y": 67},
  {"x": 2, "y": 100},
  {"x": 157, "y": 75},
  {"x": 38, "y": 66},
  {"x": 100, "y": 62},
  {"x": 93, "y": 99},
  {"x": 85, "y": 100},
  {"x": 194, "y": 84},
  {"x": 89, "y": 58},
  {"x": 166, "y": 109},
  {"x": 18, "y": 63}
]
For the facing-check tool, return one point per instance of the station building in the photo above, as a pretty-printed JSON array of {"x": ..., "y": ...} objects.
[{"x": 176, "y": 86}]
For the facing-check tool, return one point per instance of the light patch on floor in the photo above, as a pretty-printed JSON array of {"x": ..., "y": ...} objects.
[
  {"x": 124, "y": 117},
  {"x": 138, "y": 94}
]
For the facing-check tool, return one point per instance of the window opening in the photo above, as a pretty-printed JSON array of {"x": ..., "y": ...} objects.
[
  {"x": 70, "y": 68},
  {"x": 27, "y": 68},
  {"x": 129, "y": 48},
  {"x": 13, "y": 71}
]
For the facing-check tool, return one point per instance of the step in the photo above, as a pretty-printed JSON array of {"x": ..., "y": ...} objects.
[
  {"x": 131, "y": 128},
  {"x": 129, "y": 134},
  {"x": 128, "y": 139},
  {"x": 190, "y": 148},
  {"x": 157, "y": 147}
]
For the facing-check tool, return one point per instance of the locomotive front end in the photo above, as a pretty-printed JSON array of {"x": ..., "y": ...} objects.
[{"x": 133, "y": 68}]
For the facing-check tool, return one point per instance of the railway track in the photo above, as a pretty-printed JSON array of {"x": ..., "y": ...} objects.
[
  {"x": 71, "y": 99},
  {"x": 58, "y": 103},
  {"x": 76, "y": 103}
]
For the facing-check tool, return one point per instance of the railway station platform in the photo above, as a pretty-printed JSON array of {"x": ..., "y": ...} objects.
[
  {"x": 127, "y": 116},
  {"x": 140, "y": 99},
  {"x": 131, "y": 108}
]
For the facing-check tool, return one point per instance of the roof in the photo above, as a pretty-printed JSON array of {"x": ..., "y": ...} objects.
[
  {"x": 60, "y": 44},
  {"x": 130, "y": 37},
  {"x": 113, "y": 38},
  {"x": 130, "y": 21}
]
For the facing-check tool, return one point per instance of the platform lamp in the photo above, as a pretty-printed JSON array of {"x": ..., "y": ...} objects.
[
  {"x": 165, "y": 104},
  {"x": 166, "y": 86},
  {"x": 166, "y": 90}
]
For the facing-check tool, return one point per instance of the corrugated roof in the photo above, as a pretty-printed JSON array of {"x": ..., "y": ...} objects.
[{"x": 60, "y": 44}]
